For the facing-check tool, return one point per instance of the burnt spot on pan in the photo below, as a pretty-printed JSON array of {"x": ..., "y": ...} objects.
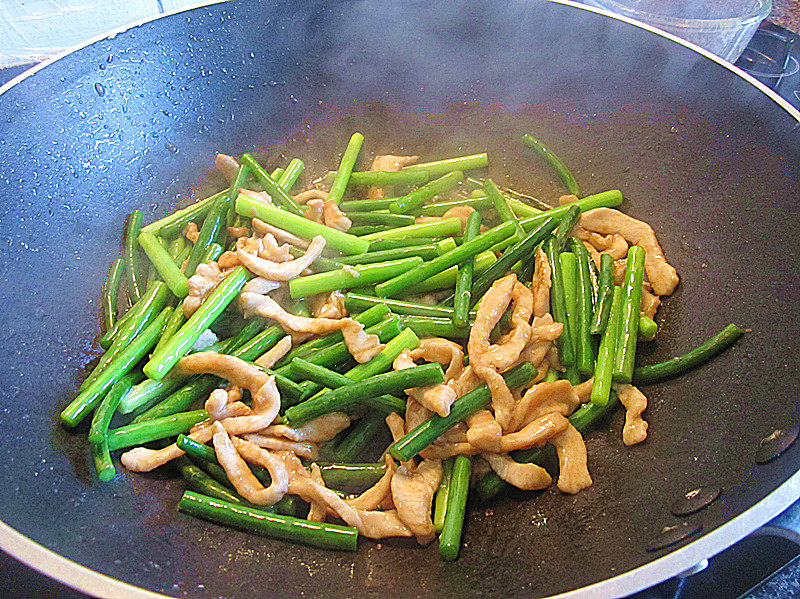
[
  {"x": 778, "y": 441},
  {"x": 695, "y": 500},
  {"x": 670, "y": 535}
]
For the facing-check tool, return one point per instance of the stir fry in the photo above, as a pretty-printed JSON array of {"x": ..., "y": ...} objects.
[{"x": 279, "y": 336}]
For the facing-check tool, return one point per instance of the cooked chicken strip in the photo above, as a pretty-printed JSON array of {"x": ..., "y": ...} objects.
[
  {"x": 205, "y": 279},
  {"x": 275, "y": 353},
  {"x": 282, "y": 271},
  {"x": 484, "y": 431},
  {"x": 334, "y": 217},
  {"x": 284, "y": 236},
  {"x": 329, "y": 305},
  {"x": 306, "y": 450},
  {"x": 372, "y": 497},
  {"x": 635, "y": 402},
  {"x": 318, "y": 430},
  {"x": 261, "y": 286},
  {"x": 488, "y": 360},
  {"x": 362, "y": 347},
  {"x": 436, "y": 398},
  {"x": 219, "y": 406},
  {"x": 607, "y": 221},
  {"x": 573, "y": 470},
  {"x": 314, "y": 211},
  {"x": 650, "y": 302},
  {"x": 412, "y": 493},
  {"x": 543, "y": 398},
  {"x": 191, "y": 232},
  {"x": 310, "y": 194},
  {"x": 540, "y": 285},
  {"x": 535, "y": 433},
  {"x": 317, "y": 511},
  {"x": 442, "y": 351},
  {"x": 461, "y": 212},
  {"x": 266, "y": 403},
  {"x": 388, "y": 162},
  {"x": 528, "y": 477},
  {"x": 227, "y": 165},
  {"x": 240, "y": 475}
]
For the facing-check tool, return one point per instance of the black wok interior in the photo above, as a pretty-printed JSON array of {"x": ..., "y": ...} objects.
[{"x": 134, "y": 122}]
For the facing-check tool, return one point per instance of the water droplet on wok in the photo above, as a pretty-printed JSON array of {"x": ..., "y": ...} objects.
[
  {"x": 98, "y": 87},
  {"x": 695, "y": 500},
  {"x": 171, "y": 148},
  {"x": 670, "y": 535},
  {"x": 776, "y": 443}
]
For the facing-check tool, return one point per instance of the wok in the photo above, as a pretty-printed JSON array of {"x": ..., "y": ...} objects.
[{"x": 702, "y": 152}]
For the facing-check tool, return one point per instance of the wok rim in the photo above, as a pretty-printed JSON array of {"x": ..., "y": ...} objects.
[{"x": 84, "y": 579}]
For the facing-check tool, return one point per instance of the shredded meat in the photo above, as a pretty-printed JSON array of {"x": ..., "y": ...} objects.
[
  {"x": 461, "y": 212},
  {"x": 362, "y": 346},
  {"x": 283, "y": 236},
  {"x": 484, "y": 431},
  {"x": 314, "y": 210},
  {"x": 243, "y": 480},
  {"x": 543, "y": 398},
  {"x": 412, "y": 493},
  {"x": 573, "y": 470},
  {"x": 535, "y": 433},
  {"x": 375, "y": 495},
  {"x": 303, "y": 449},
  {"x": 329, "y": 306},
  {"x": 608, "y": 221},
  {"x": 528, "y": 477},
  {"x": 191, "y": 232},
  {"x": 281, "y": 271},
  {"x": 320, "y": 429},
  {"x": 310, "y": 194},
  {"x": 261, "y": 286},
  {"x": 266, "y": 403},
  {"x": 388, "y": 162},
  {"x": 334, "y": 217},
  {"x": 635, "y": 402},
  {"x": 204, "y": 280},
  {"x": 489, "y": 360},
  {"x": 237, "y": 232},
  {"x": 227, "y": 165},
  {"x": 220, "y": 405},
  {"x": 540, "y": 285},
  {"x": 272, "y": 355}
]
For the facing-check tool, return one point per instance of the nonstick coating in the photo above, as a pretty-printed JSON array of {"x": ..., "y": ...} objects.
[{"x": 134, "y": 121}]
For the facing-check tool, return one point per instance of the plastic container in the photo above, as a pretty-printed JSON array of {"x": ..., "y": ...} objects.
[{"x": 723, "y": 27}]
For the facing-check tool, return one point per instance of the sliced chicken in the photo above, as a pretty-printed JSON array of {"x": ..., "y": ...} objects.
[
  {"x": 322, "y": 428},
  {"x": 314, "y": 210},
  {"x": 572, "y": 462},
  {"x": 535, "y": 433},
  {"x": 191, "y": 232},
  {"x": 306, "y": 450},
  {"x": 227, "y": 165},
  {"x": 310, "y": 194},
  {"x": 374, "y": 496},
  {"x": 489, "y": 360},
  {"x": 284, "y": 236},
  {"x": 275, "y": 353},
  {"x": 528, "y": 477},
  {"x": 635, "y": 402},
  {"x": 461, "y": 212},
  {"x": 334, "y": 217},
  {"x": 205, "y": 279},
  {"x": 388, "y": 162},
  {"x": 281, "y": 271},
  {"x": 540, "y": 285},
  {"x": 412, "y": 493},
  {"x": 484, "y": 431},
  {"x": 544, "y": 398},
  {"x": 362, "y": 346},
  {"x": 608, "y": 221},
  {"x": 240, "y": 475}
]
